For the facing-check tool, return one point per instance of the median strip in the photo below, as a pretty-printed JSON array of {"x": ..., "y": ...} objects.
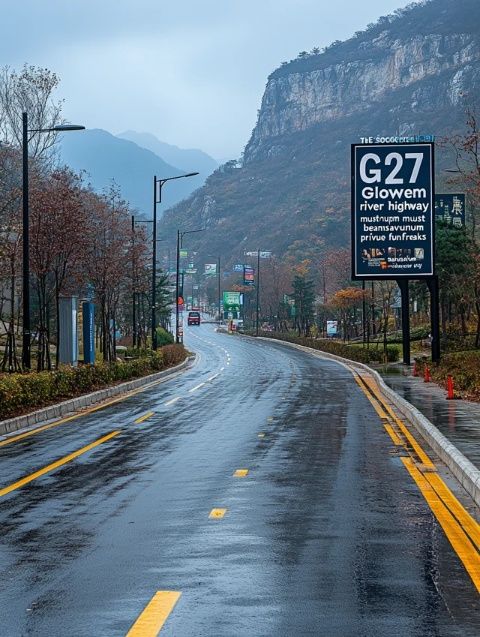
[
  {"x": 154, "y": 615},
  {"x": 55, "y": 465}
]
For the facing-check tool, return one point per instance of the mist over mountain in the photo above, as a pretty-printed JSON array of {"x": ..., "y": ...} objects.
[
  {"x": 105, "y": 157},
  {"x": 412, "y": 72},
  {"x": 186, "y": 159}
]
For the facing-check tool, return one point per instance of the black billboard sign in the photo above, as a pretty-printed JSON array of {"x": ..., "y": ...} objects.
[
  {"x": 392, "y": 211},
  {"x": 450, "y": 208}
]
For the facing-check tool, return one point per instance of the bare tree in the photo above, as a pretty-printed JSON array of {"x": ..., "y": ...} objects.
[{"x": 31, "y": 91}]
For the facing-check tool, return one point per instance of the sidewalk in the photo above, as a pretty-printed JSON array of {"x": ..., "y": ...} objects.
[{"x": 458, "y": 420}]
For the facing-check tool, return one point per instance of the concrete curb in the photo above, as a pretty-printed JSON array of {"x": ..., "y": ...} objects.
[
  {"x": 74, "y": 404},
  {"x": 464, "y": 471}
]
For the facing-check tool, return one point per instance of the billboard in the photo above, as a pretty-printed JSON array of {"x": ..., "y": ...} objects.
[
  {"x": 248, "y": 275},
  {"x": 332, "y": 328},
  {"x": 210, "y": 269},
  {"x": 451, "y": 209},
  {"x": 231, "y": 301},
  {"x": 264, "y": 254},
  {"x": 68, "y": 331},
  {"x": 88, "y": 332},
  {"x": 392, "y": 211}
]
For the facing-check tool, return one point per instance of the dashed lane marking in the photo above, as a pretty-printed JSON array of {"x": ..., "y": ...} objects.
[
  {"x": 216, "y": 514},
  {"x": 154, "y": 615},
  {"x": 146, "y": 416},
  {"x": 171, "y": 401},
  {"x": 195, "y": 388},
  {"x": 241, "y": 473},
  {"x": 55, "y": 465}
]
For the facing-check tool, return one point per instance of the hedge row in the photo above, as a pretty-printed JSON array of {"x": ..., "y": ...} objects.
[
  {"x": 352, "y": 352},
  {"x": 20, "y": 393}
]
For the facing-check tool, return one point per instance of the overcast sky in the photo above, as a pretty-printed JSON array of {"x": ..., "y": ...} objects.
[{"x": 191, "y": 72}]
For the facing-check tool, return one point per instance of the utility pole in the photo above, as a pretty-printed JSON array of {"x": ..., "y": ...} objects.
[{"x": 134, "y": 308}]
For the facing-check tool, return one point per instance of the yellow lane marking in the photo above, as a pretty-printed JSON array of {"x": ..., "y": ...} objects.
[
  {"x": 457, "y": 537},
  {"x": 173, "y": 400},
  {"x": 241, "y": 473},
  {"x": 146, "y": 416},
  {"x": 58, "y": 463},
  {"x": 217, "y": 513},
  {"x": 154, "y": 615},
  {"x": 470, "y": 526},
  {"x": 393, "y": 435},
  {"x": 416, "y": 447}
]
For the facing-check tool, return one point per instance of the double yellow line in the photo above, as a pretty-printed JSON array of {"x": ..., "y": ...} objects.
[{"x": 462, "y": 531}]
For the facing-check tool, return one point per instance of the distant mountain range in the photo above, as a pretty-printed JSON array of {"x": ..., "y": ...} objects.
[
  {"x": 183, "y": 158},
  {"x": 132, "y": 164}
]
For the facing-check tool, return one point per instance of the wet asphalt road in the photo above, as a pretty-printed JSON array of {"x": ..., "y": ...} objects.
[{"x": 327, "y": 535}]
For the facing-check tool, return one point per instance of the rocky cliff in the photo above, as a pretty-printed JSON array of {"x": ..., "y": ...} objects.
[{"x": 409, "y": 73}]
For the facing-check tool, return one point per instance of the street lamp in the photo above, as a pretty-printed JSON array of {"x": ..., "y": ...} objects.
[
  {"x": 180, "y": 235},
  {"x": 157, "y": 198},
  {"x": 26, "y": 330}
]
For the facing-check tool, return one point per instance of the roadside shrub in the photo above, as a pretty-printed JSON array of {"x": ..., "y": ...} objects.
[
  {"x": 20, "y": 393},
  {"x": 164, "y": 337},
  {"x": 464, "y": 367},
  {"x": 354, "y": 353}
]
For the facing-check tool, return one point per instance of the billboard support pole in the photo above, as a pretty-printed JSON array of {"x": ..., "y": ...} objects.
[
  {"x": 258, "y": 294},
  {"x": 403, "y": 285},
  {"x": 435, "y": 318},
  {"x": 219, "y": 292}
]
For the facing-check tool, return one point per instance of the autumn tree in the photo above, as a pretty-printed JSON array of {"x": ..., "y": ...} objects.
[{"x": 346, "y": 302}]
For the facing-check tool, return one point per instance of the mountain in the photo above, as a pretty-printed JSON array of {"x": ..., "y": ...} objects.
[
  {"x": 105, "y": 157},
  {"x": 187, "y": 160},
  {"x": 412, "y": 72}
]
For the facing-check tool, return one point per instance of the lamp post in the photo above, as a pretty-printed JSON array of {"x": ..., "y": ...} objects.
[
  {"x": 180, "y": 235},
  {"x": 26, "y": 328},
  {"x": 157, "y": 198}
]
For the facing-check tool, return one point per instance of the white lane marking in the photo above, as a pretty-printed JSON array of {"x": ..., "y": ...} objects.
[
  {"x": 212, "y": 378},
  {"x": 173, "y": 400},
  {"x": 222, "y": 369},
  {"x": 196, "y": 387}
]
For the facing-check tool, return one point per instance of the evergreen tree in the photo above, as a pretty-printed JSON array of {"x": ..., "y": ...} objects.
[{"x": 304, "y": 295}]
